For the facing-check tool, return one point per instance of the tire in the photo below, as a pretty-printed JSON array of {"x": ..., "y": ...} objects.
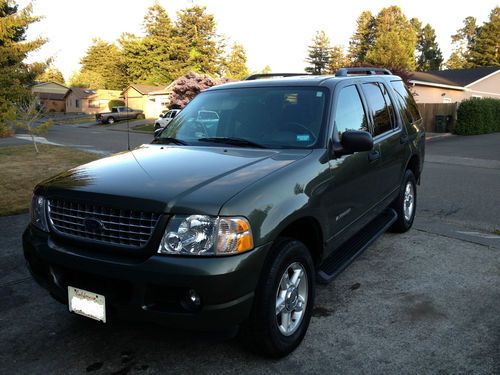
[
  {"x": 140, "y": 116},
  {"x": 111, "y": 120},
  {"x": 265, "y": 329},
  {"x": 407, "y": 198}
]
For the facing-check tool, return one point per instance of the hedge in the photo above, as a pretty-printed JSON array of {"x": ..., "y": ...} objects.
[
  {"x": 115, "y": 103},
  {"x": 478, "y": 116}
]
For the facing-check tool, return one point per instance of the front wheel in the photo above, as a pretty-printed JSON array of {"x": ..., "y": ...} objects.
[
  {"x": 283, "y": 300},
  {"x": 111, "y": 120},
  {"x": 140, "y": 116},
  {"x": 405, "y": 204}
]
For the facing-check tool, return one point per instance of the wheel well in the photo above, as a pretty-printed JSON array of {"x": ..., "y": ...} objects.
[
  {"x": 308, "y": 231},
  {"x": 414, "y": 166}
]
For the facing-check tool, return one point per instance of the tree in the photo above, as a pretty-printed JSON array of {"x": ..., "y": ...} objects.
[
  {"x": 236, "y": 63},
  {"x": 362, "y": 40},
  {"x": 337, "y": 59},
  {"x": 484, "y": 50},
  {"x": 28, "y": 116},
  {"x": 103, "y": 62},
  {"x": 187, "y": 87},
  {"x": 51, "y": 74},
  {"x": 86, "y": 79},
  {"x": 430, "y": 56},
  {"x": 196, "y": 30},
  {"x": 15, "y": 75},
  {"x": 462, "y": 41},
  {"x": 318, "y": 56},
  {"x": 134, "y": 53},
  {"x": 395, "y": 40},
  {"x": 266, "y": 70}
]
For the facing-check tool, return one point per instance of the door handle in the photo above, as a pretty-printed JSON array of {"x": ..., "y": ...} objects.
[
  {"x": 374, "y": 155},
  {"x": 407, "y": 138}
]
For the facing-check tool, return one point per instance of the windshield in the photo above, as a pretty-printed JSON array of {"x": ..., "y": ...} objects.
[{"x": 271, "y": 117}]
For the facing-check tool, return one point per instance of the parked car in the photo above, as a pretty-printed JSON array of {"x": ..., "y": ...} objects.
[
  {"x": 165, "y": 117},
  {"x": 234, "y": 226},
  {"x": 119, "y": 113}
]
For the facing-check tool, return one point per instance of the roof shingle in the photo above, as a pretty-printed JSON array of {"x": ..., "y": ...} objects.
[{"x": 454, "y": 77}]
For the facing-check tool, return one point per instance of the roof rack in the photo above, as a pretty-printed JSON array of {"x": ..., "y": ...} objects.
[
  {"x": 344, "y": 72},
  {"x": 253, "y": 77}
]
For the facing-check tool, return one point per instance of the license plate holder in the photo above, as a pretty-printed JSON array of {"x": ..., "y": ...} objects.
[{"x": 88, "y": 304}]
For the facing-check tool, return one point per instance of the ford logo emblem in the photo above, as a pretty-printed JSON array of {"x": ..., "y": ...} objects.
[{"x": 93, "y": 225}]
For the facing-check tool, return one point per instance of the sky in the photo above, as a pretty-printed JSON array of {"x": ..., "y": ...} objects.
[{"x": 273, "y": 32}]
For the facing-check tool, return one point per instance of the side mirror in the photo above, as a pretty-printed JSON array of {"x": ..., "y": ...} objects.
[
  {"x": 355, "y": 141},
  {"x": 158, "y": 132},
  {"x": 160, "y": 115}
]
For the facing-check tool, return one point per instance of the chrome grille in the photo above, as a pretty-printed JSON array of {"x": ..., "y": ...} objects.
[{"x": 117, "y": 226}]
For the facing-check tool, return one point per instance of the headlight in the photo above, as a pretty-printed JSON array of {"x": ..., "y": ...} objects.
[
  {"x": 206, "y": 235},
  {"x": 38, "y": 212}
]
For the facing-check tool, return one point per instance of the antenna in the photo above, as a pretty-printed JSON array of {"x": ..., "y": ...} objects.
[{"x": 128, "y": 128}]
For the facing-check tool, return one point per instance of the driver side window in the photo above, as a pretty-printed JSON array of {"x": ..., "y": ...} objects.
[{"x": 350, "y": 114}]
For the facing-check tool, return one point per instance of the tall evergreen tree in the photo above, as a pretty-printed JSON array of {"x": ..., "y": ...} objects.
[
  {"x": 395, "y": 41},
  {"x": 197, "y": 30},
  {"x": 319, "y": 51},
  {"x": 485, "y": 48},
  {"x": 430, "y": 56},
  {"x": 338, "y": 59},
  {"x": 362, "y": 40},
  {"x": 51, "y": 74},
  {"x": 236, "y": 63},
  {"x": 15, "y": 74},
  {"x": 104, "y": 59},
  {"x": 462, "y": 41}
]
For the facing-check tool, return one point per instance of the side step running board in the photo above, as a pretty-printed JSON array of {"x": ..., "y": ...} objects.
[{"x": 346, "y": 254}]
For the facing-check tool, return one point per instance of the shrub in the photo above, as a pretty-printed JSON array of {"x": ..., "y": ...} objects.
[
  {"x": 478, "y": 116},
  {"x": 115, "y": 103}
]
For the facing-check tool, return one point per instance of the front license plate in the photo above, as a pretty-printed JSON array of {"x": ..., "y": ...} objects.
[{"x": 89, "y": 304}]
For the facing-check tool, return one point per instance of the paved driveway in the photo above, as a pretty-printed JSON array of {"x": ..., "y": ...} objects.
[{"x": 424, "y": 302}]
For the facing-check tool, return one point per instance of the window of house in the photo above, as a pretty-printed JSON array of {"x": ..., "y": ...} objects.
[
  {"x": 381, "y": 112},
  {"x": 350, "y": 114},
  {"x": 77, "y": 103},
  {"x": 94, "y": 103}
]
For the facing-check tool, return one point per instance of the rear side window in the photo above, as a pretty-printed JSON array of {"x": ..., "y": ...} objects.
[
  {"x": 382, "y": 116},
  {"x": 349, "y": 113},
  {"x": 406, "y": 101}
]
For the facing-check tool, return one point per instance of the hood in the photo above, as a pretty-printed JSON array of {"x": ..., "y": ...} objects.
[{"x": 163, "y": 178}]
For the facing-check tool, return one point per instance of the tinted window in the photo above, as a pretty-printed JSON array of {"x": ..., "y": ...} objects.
[
  {"x": 349, "y": 112},
  {"x": 380, "y": 111},
  {"x": 406, "y": 101},
  {"x": 275, "y": 117}
]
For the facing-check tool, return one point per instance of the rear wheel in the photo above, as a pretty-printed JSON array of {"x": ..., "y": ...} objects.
[
  {"x": 140, "y": 116},
  {"x": 406, "y": 203},
  {"x": 283, "y": 300},
  {"x": 111, "y": 120}
]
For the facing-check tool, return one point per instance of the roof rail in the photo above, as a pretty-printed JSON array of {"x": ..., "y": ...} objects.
[
  {"x": 253, "y": 77},
  {"x": 344, "y": 72}
]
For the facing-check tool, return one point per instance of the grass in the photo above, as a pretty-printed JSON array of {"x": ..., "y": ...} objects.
[
  {"x": 497, "y": 231},
  {"x": 22, "y": 169},
  {"x": 146, "y": 128}
]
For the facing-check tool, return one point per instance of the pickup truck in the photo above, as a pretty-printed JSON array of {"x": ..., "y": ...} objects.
[{"x": 119, "y": 113}]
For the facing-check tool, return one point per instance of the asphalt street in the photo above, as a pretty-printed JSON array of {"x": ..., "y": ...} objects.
[{"x": 425, "y": 302}]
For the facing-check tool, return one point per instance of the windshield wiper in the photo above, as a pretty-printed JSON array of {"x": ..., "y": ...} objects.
[
  {"x": 168, "y": 140},
  {"x": 232, "y": 141}
]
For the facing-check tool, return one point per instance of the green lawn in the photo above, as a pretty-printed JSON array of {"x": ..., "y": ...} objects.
[{"x": 22, "y": 168}]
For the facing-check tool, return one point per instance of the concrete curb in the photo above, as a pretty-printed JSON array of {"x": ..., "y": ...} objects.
[{"x": 437, "y": 136}]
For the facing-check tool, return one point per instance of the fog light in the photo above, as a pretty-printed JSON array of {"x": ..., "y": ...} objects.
[{"x": 191, "y": 301}]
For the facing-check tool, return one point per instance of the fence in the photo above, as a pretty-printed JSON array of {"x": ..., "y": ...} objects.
[{"x": 429, "y": 111}]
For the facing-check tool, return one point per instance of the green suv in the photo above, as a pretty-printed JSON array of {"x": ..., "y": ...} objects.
[{"x": 233, "y": 225}]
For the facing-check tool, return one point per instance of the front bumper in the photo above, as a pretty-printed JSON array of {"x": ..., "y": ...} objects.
[{"x": 153, "y": 289}]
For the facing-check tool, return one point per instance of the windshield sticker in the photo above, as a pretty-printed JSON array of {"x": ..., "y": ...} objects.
[
  {"x": 319, "y": 94},
  {"x": 303, "y": 137}
]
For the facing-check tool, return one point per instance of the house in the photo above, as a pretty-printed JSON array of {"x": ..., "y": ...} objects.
[
  {"x": 90, "y": 101},
  {"x": 51, "y": 96},
  {"x": 151, "y": 99},
  {"x": 451, "y": 86}
]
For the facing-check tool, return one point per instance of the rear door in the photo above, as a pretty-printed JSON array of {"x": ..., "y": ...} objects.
[{"x": 387, "y": 132}]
